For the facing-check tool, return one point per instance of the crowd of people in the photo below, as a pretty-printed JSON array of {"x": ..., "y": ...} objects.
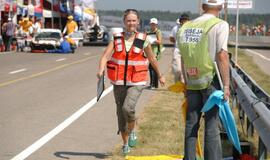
[
  {"x": 24, "y": 28},
  {"x": 14, "y": 35},
  {"x": 254, "y": 30}
]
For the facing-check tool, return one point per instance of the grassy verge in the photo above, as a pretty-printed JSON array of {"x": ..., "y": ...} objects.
[
  {"x": 246, "y": 62},
  {"x": 160, "y": 126}
]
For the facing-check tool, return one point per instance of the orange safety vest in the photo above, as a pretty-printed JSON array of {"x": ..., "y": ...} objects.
[
  {"x": 128, "y": 68},
  {"x": 71, "y": 26}
]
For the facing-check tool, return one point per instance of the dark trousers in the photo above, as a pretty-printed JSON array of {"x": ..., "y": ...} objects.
[
  {"x": 153, "y": 77},
  {"x": 212, "y": 143},
  {"x": 7, "y": 42}
]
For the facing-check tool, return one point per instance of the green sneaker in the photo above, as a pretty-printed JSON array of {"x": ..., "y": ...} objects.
[
  {"x": 132, "y": 139},
  {"x": 125, "y": 150}
]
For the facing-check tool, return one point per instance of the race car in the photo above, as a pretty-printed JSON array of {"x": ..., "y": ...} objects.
[{"x": 47, "y": 39}]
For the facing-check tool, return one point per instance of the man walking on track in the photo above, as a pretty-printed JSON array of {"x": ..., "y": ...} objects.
[{"x": 202, "y": 42}]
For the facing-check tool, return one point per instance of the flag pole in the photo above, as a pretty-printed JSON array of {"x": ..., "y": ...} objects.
[
  {"x": 226, "y": 10},
  {"x": 236, "y": 36}
]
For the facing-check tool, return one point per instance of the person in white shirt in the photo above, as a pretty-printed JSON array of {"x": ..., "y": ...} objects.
[
  {"x": 176, "y": 60},
  {"x": 37, "y": 26},
  {"x": 201, "y": 42}
]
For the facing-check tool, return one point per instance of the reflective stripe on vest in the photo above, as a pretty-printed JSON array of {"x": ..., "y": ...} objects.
[
  {"x": 133, "y": 63},
  {"x": 203, "y": 80},
  {"x": 128, "y": 68},
  {"x": 117, "y": 35}
]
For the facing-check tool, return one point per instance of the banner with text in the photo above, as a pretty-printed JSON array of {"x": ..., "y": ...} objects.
[{"x": 243, "y": 4}]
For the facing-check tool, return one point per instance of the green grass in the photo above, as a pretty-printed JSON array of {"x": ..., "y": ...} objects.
[
  {"x": 246, "y": 62},
  {"x": 160, "y": 126}
]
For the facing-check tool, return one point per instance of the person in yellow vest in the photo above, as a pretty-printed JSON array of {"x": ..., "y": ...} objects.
[
  {"x": 156, "y": 44},
  {"x": 26, "y": 25},
  {"x": 202, "y": 42},
  {"x": 71, "y": 26},
  {"x": 127, "y": 69}
]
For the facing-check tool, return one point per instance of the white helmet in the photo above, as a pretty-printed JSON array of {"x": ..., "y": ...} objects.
[
  {"x": 154, "y": 21},
  {"x": 213, "y": 2}
]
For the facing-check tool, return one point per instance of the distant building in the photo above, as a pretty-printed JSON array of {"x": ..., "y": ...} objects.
[{"x": 52, "y": 12}]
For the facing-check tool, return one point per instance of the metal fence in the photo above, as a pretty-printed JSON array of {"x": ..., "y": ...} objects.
[
  {"x": 254, "y": 108},
  {"x": 252, "y": 39}
]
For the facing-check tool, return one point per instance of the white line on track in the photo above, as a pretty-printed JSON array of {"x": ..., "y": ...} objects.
[
  {"x": 258, "y": 54},
  {"x": 43, "y": 140},
  {"x": 87, "y": 54},
  {"x": 61, "y": 59},
  {"x": 17, "y": 71}
]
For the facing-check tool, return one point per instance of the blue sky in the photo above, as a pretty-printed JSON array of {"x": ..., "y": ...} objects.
[{"x": 260, "y": 6}]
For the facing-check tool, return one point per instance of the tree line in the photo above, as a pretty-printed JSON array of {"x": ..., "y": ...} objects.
[{"x": 247, "y": 19}]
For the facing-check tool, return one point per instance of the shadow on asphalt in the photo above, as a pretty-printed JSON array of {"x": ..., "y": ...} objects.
[{"x": 66, "y": 155}]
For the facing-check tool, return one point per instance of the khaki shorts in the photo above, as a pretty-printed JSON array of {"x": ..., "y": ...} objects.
[{"x": 126, "y": 98}]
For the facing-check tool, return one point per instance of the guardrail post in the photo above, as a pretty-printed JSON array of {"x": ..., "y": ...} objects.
[
  {"x": 250, "y": 129},
  {"x": 241, "y": 115},
  {"x": 262, "y": 155}
]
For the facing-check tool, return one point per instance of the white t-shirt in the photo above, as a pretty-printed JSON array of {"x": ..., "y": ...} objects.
[
  {"x": 174, "y": 34},
  {"x": 37, "y": 27},
  {"x": 217, "y": 36}
]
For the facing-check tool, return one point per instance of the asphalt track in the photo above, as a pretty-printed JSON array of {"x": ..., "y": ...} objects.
[
  {"x": 261, "y": 57},
  {"x": 48, "y": 109}
]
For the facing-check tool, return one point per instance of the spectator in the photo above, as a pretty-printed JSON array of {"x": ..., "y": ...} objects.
[
  {"x": 71, "y": 26},
  {"x": 9, "y": 32},
  {"x": 156, "y": 45},
  {"x": 37, "y": 26},
  {"x": 26, "y": 26},
  {"x": 176, "y": 61}
]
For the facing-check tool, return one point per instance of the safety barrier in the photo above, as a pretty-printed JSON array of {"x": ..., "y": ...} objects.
[
  {"x": 253, "y": 104},
  {"x": 257, "y": 39}
]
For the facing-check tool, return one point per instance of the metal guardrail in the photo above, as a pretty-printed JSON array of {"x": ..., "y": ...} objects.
[
  {"x": 259, "y": 39},
  {"x": 251, "y": 42},
  {"x": 253, "y": 102}
]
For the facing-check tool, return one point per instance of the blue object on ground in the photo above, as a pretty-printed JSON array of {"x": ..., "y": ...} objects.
[
  {"x": 65, "y": 47},
  {"x": 226, "y": 116}
]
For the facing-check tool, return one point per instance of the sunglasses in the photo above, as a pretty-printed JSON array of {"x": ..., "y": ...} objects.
[{"x": 131, "y": 10}]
